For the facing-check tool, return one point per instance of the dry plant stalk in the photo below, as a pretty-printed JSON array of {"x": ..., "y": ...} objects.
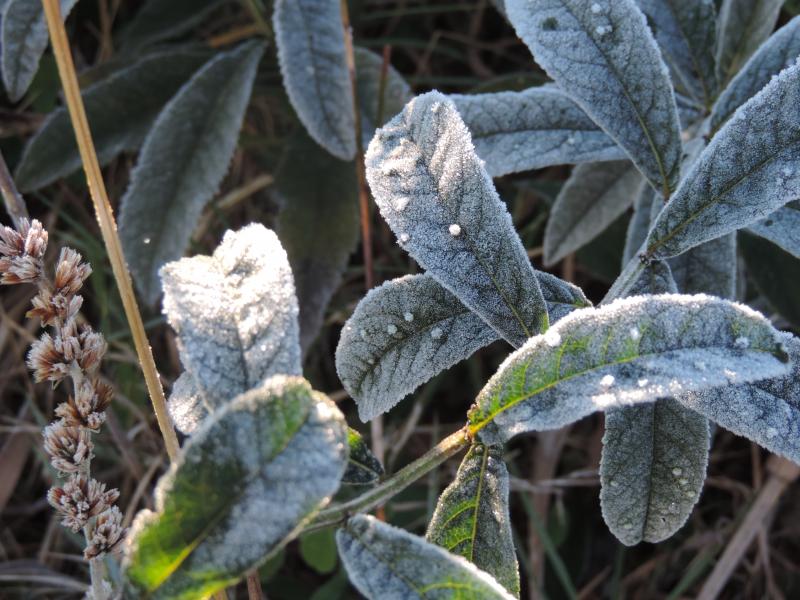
[{"x": 67, "y": 352}]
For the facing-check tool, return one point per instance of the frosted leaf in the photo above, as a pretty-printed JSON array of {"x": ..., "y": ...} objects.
[
  {"x": 655, "y": 278},
  {"x": 539, "y": 387},
  {"x": 777, "y": 53},
  {"x": 235, "y": 314},
  {"x": 686, "y": 33},
  {"x": 239, "y": 490},
  {"x": 23, "y": 40},
  {"x": 362, "y": 466},
  {"x": 140, "y": 91},
  {"x": 472, "y": 519},
  {"x": 424, "y": 158},
  {"x": 743, "y": 27},
  {"x": 159, "y": 20},
  {"x": 766, "y": 412},
  {"x": 181, "y": 166},
  {"x": 368, "y": 81},
  {"x": 532, "y": 129},
  {"x": 746, "y": 172},
  {"x": 782, "y": 228},
  {"x": 311, "y": 52},
  {"x": 594, "y": 196},
  {"x": 657, "y": 455},
  {"x": 318, "y": 228},
  {"x": 441, "y": 333},
  {"x": 387, "y": 563},
  {"x": 709, "y": 268},
  {"x": 187, "y": 404},
  {"x": 630, "y": 98},
  {"x": 639, "y": 225}
]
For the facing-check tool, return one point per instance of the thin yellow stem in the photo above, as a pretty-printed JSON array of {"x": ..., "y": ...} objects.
[{"x": 105, "y": 218}]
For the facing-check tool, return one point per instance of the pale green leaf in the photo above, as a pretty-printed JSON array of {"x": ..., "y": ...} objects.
[
  {"x": 362, "y": 466},
  {"x": 743, "y": 27},
  {"x": 163, "y": 19},
  {"x": 375, "y": 109}
]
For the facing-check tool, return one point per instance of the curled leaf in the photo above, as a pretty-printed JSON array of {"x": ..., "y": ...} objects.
[{"x": 362, "y": 466}]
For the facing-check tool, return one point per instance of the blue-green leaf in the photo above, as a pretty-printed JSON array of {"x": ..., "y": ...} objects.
[
  {"x": 782, "y": 228},
  {"x": 743, "y": 27},
  {"x": 362, "y": 466}
]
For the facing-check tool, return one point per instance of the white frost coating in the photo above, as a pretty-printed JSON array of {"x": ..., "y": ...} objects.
[
  {"x": 311, "y": 53},
  {"x": 743, "y": 27},
  {"x": 396, "y": 92},
  {"x": 387, "y": 563},
  {"x": 739, "y": 178},
  {"x": 777, "y": 53},
  {"x": 645, "y": 495},
  {"x": 455, "y": 229},
  {"x": 23, "y": 40},
  {"x": 594, "y": 196},
  {"x": 686, "y": 33},
  {"x": 782, "y": 228},
  {"x": 180, "y": 168},
  {"x": 766, "y": 412},
  {"x": 235, "y": 314},
  {"x": 425, "y": 154},
  {"x": 539, "y": 387},
  {"x": 265, "y": 446},
  {"x": 187, "y": 405},
  {"x": 532, "y": 129},
  {"x": 610, "y": 64}
]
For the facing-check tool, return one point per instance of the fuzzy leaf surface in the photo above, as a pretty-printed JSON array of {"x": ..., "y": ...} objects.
[
  {"x": 686, "y": 32},
  {"x": 235, "y": 314},
  {"x": 653, "y": 468},
  {"x": 396, "y": 93},
  {"x": 23, "y": 39},
  {"x": 242, "y": 486},
  {"x": 121, "y": 110},
  {"x": 181, "y": 166},
  {"x": 777, "y": 53},
  {"x": 782, "y": 228},
  {"x": 162, "y": 19},
  {"x": 709, "y": 268},
  {"x": 748, "y": 171},
  {"x": 362, "y": 466},
  {"x": 472, "y": 518},
  {"x": 311, "y": 52},
  {"x": 766, "y": 412},
  {"x": 594, "y": 196},
  {"x": 743, "y": 26},
  {"x": 532, "y": 129},
  {"x": 318, "y": 225},
  {"x": 604, "y": 56},
  {"x": 639, "y": 225},
  {"x": 630, "y": 351},
  {"x": 440, "y": 202},
  {"x": 387, "y": 563},
  {"x": 408, "y": 330}
]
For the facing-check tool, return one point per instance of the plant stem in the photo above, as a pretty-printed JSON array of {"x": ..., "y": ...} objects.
[
  {"x": 105, "y": 219},
  {"x": 15, "y": 205},
  {"x": 337, "y": 514}
]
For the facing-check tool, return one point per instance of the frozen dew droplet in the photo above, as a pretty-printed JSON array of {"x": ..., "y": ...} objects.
[
  {"x": 571, "y": 140},
  {"x": 408, "y": 317},
  {"x": 455, "y": 229},
  {"x": 371, "y": 361},
  {"x": 263, "y": 347},
  {"x": 742, "y": 342},
  {"x": 771, "y": 432},
  {"x": 689, "y": 494},
  {"x": 635, "y": 335},
  {"x": 552, "y": 338},
  {"x": 401, "y": 203},
  {"x": 628, "y": 526},
  {"x": 146, "y": 240},
  {"x": 391, "y": 329},
  {"x": 683, "y": 481},
  {"x": 642, "y": 382},
  {"x": 404, "y": 237},
  {"x": 607, "y": 381},
  {"x": 436, "y": 333},
  {"x": 614, "y": 483},
  {"x": 596, "y": 8},
  {"x": 677, "y": 471},
  {"x": 478, "y": 449}
]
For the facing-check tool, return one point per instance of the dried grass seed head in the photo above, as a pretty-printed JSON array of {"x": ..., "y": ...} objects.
[
  {"x": 69, "y": 448},
  {"x": 80, "y": 499}
]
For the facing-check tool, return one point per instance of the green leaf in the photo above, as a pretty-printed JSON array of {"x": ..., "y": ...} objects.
[
  {"x": 318, "y": 225},
  {"x": 121, "y": 110},
  {"x": 686, "y": 32},
  {"x": 318, "y": 550},
  {"x": 241, "y": 488},
  {"x": 631, "y": 351},
  {"x": 653, "y": 468},
  {"x": 23, "y": 39},
  {"x": 235, "y": 314},
  {"x": 743, "y": 27},
  {"x": 311, "y": 51},
  {"x": 778, "y": 52},
  {"x": 532, "y": 129},
  {"x": 385, "y": 563},
  {"x": 587, "y": 48},
  {"x": 163, "y": 19},
  {"x": 440, "y": 202},
  {"x": 472, "y": 519},
  {"x": 362, "y": 466},
  {"x": 594, "y": 196},
  {"x": 182, "y": 163}
]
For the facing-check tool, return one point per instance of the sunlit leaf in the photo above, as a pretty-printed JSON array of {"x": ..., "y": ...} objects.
[{"x": 362, "y": 466}]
